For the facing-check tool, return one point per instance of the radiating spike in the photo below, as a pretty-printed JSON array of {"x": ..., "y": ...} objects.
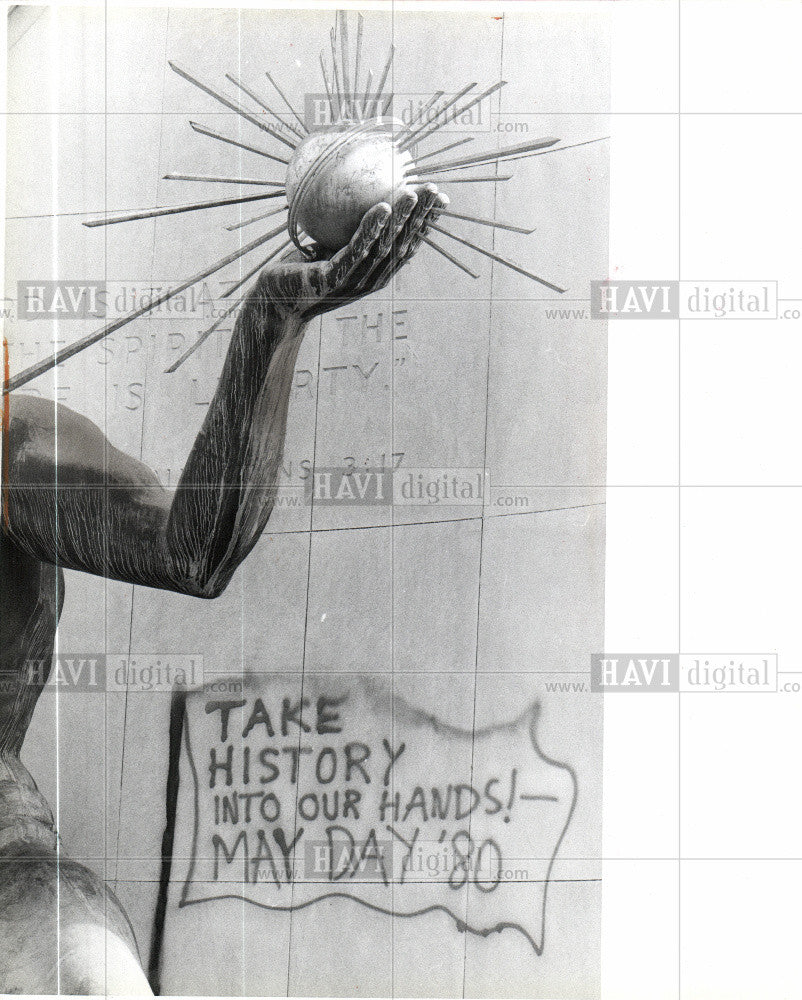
[
  {"x": 416, "y": 135},
  {"x": 357, "y": 59},
  {"x": 487, "y": 93},
  {"x": 388, "y": 104},
  {"x": 208, "y": 332},
  {"x": 326, "y": 84},
  {"x": 486, "y": 222},
  {"x": 235, "y": 142},
  {"x": 447, "y": 255},
  {"x": 482, "y": 159},
  {"x": 344, "y": 61},
  {"x": 232, "y": 105},
  {"x": 559, "y": 149},
  {"x": 246, "y": 277},
  {"x": 92, "y": 338},
  {"x": 368, "y": 83},
  {"x": 421, "y": 113},
  {"x": 260, "y": 101},
  {"x": 337, "y": 89},
  {"x": 283, "y": 97},
  {"x": 442, "y": 149},
  {"x": 197, "y": 206},
  {"x": 374, "y": 111},
  {"x": 493, "y": 256},
  {"x": 256, "y": 218},
  {"x": 460, "y": 111},
  {"x": 204, "y": 336},
  {"x": 459, "y": 180},
  {"x": 222, "y": 180}
]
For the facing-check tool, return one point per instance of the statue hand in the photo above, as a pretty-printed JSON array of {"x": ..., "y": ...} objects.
[{"x": 385, "y": 240}]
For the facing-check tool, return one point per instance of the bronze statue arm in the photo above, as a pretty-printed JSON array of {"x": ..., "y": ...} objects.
[{"x": 74, "y": 500}]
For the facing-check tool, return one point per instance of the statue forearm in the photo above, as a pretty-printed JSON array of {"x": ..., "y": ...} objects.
[
  {"x": 227, "y": 490},
  {"x": 228, "y": 486},
  {"x": 73, "y": 499}
]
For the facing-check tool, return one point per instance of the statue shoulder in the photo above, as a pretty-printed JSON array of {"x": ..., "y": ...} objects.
[
  {"x": 37, "y": 426},
  {"x": 52, "y": 444}
]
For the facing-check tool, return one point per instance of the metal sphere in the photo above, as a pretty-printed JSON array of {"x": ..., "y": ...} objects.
[{"x": 335, "y": 176}]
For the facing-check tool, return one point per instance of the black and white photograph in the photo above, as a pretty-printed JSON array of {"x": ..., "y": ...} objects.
[{"x": 373, "y": 373}]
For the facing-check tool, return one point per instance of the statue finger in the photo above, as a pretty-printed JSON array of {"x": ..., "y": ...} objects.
[
  {"x": 434, "y": 203},
  {"x": 370, "y": 279},
  {"x": 363, "y": 246},
  {"x": 407, "y": 236},
  {"x": 431, "y": 203}
]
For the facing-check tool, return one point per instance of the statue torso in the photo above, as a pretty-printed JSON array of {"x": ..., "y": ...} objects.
[{"x": 31, "y": 598}]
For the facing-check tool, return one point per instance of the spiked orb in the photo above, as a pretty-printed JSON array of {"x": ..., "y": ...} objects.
[{"x": 335, "y": 176}]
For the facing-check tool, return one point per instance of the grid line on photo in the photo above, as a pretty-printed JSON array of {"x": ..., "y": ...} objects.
[{"x": 679, "y": 500}]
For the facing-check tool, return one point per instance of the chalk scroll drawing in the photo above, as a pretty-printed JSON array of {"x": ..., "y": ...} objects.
[{"x": 299, "y": 790}]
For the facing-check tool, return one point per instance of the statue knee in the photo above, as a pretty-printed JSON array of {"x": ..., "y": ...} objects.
[{"x": 62, "y": 929}]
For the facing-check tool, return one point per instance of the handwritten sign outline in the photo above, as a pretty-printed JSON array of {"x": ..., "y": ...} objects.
[{"x": 531, "y": 714}]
